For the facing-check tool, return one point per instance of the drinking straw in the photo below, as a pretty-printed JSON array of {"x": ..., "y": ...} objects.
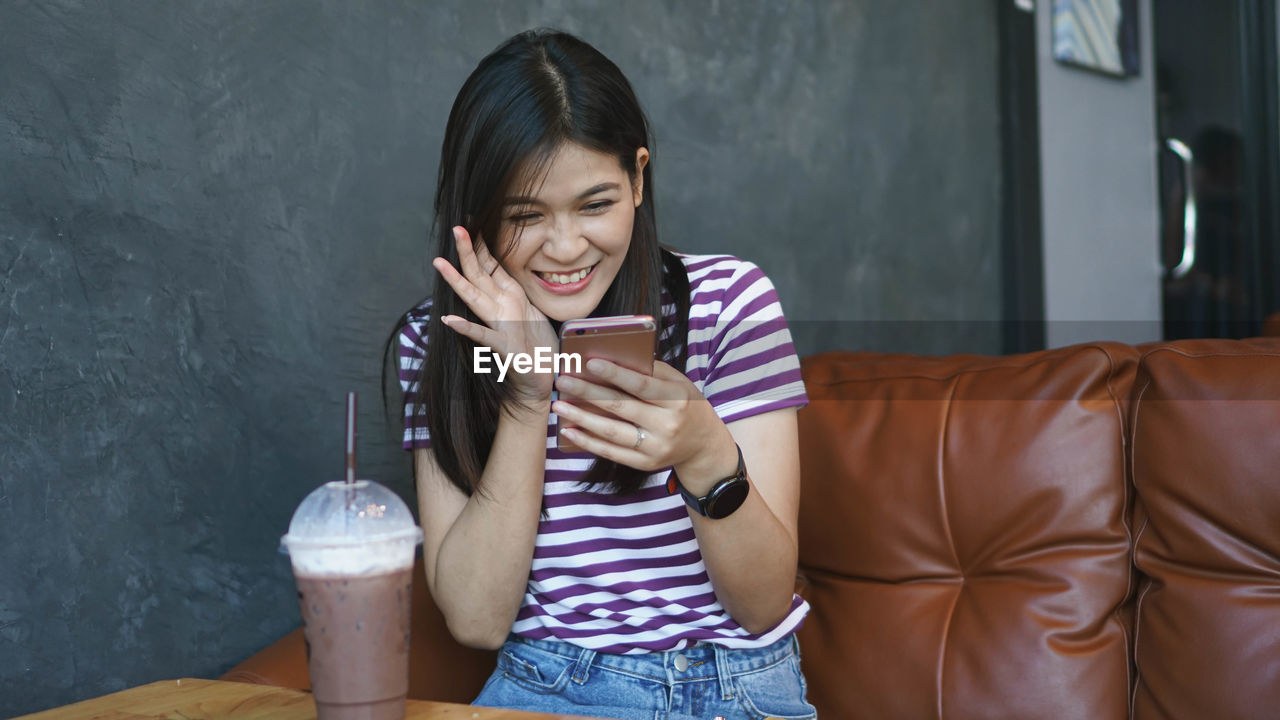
[{"x": 351, "y": 438}]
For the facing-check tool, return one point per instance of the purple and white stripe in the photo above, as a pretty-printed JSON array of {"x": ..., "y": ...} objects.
[{"x": 623, "y": 574}]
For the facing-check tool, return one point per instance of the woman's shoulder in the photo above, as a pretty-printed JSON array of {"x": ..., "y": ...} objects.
[
  {"x": 419, "y": 314},
  {"x": 714, "y": 278},
  {"x": 717, "y": 264},
  {"x": 412, "y": 330}
]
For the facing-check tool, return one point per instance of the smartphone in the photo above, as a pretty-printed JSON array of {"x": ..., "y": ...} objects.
[{"x": 627, "y": 340}]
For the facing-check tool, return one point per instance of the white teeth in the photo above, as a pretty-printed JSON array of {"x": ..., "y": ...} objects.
[{"x": 561, "y": 279}]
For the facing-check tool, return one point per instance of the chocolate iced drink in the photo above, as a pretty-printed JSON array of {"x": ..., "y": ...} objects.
[
  {"x": 361, "y": 623},
  {"x": 351, "y": 546}
]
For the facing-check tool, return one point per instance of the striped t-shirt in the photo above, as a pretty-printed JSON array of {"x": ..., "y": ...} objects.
[{"x": 624, "y": 574}]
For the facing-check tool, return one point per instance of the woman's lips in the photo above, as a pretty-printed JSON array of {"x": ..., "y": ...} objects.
[{"x": 566, "y": 288}]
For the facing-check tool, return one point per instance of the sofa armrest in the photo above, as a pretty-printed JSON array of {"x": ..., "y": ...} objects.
[
  {"x": 1271, "y": 325},
  {"x": 282, "y": 663}
]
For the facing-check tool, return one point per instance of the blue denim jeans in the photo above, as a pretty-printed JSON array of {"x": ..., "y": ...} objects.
[{"x": 698, "y": 683}]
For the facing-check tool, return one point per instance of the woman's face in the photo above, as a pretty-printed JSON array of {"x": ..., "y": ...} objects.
[{"x": 568, "y": 239}]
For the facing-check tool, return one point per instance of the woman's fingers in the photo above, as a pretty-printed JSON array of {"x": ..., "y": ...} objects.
[
  {"x": 628, "y": 410},
  {"x": 662, "y": 405},
  {"x": 480, "y": 303},
  {"x": 605, "y": 398},
  {"x": 479, "y": 334},
  {"x": 495, "y": 298},
  {"x": 495, "y": 270},
  {"x": 619, "y": 432},
  {"x": 471, "y": 279},
  {"x": 605, "y": 437},
  {"x": 466, "y": 253},
  {"x": 665, "y": 384},
  {"x": 487, "y": 264},
  {"x": 482, "y": 269},
  {"x": 469, "y": 260}
]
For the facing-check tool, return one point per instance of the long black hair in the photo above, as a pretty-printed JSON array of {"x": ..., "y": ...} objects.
[{"x": 536, "y": 92}]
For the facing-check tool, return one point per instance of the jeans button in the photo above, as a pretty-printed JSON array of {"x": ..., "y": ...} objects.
[{"x": 681, "y": 662}]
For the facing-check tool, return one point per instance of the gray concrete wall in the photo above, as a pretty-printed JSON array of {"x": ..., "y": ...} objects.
[
  {"x": 1100, "y": 212},
  {"x": 211, "y": 214}
]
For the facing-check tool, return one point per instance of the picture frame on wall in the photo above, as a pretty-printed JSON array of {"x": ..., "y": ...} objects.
[{"x": 1097, "y": 35}]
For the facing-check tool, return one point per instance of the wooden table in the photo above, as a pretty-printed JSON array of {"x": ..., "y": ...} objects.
[{"x": 192, "y": 699}]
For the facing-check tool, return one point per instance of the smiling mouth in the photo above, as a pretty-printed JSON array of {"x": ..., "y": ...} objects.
[{"x": 565, "y": 278}]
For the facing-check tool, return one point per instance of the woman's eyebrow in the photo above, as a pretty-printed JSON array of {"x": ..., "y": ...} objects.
[
  {"x": 602, "y": 187},
  {"x": 599, "y": 189}
]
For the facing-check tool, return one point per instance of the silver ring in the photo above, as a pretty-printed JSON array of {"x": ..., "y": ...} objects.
[{"x": 640, "y": 436}]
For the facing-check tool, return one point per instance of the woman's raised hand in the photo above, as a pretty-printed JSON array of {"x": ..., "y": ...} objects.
[{"x": 511, "y": 324}]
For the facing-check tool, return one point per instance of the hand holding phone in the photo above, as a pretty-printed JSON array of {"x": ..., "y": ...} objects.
[{"x": 626, "y": 340}]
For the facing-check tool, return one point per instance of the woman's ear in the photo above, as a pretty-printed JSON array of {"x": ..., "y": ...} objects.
[{"x": 637, "y": 183}]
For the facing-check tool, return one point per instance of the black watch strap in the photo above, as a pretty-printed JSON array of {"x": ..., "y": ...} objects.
[{"x": 725, "y": 497}]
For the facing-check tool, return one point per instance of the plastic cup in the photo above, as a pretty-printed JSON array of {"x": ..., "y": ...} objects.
[{"x": 352, "y": 546}]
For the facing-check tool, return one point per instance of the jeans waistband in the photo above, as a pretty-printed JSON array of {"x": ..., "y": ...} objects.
[{"x": 700, "y": 661}]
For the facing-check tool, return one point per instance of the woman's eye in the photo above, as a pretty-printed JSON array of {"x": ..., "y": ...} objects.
[
  {"x": 599, "y": 206},
  {"x": 523, "y": 218}
]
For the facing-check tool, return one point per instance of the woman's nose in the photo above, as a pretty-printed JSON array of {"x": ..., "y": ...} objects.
[{"x": 565, "y": 243}]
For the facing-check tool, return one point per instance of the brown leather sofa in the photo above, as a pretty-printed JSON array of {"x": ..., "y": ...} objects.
[{"x": 1089, "y": 532}]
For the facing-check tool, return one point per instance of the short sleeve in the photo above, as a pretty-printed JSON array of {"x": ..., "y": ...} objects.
[
  {"x": 411, "y": 351},
  {"x": 751, "y": 363}
]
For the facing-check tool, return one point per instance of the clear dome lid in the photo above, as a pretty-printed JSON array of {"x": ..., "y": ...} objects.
[{"x": 341, "y": 513}]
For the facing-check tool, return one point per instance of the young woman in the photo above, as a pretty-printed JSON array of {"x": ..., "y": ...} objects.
[{"x": 609, "y": 591}]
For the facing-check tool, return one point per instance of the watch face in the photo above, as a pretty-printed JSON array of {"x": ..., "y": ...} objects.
[{"x": 727, "y": 497}]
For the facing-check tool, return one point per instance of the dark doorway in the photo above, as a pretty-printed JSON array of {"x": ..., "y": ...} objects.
[{"x": 1216, "y": 120}]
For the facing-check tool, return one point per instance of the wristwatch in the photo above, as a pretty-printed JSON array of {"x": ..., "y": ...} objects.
[{"x": 726, "y": 496}]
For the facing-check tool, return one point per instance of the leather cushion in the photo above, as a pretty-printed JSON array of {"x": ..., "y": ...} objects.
[
  {"x": 964, "y": 534},
  {"x": 1206, "y": 468}
]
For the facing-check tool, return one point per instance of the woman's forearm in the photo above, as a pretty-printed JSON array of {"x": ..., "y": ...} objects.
[
  {"x": 750, "y": 556},
  {"x": 482, "y": 568},
  {"x": 751, "y": 562}
]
